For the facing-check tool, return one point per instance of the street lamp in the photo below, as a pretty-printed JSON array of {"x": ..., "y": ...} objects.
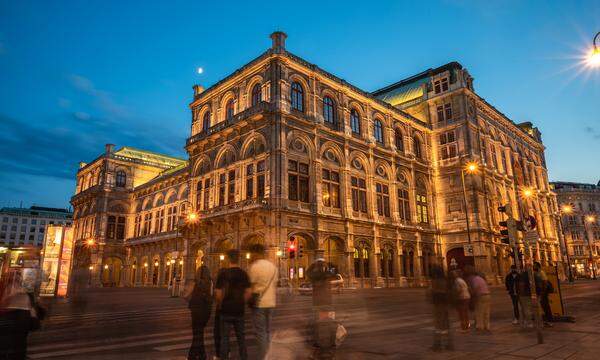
[
  {"x": 470, "y": 168},
  {"x": 566, "y": 209},
  {"x": 590, "y": 219},
  {"x": 593, "y": 59}
]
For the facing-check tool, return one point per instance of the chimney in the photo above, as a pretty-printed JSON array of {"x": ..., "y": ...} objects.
[
  {"x": 278, "y": 38},
  {"x": 109, "y": 148},
  {"x": 198, "y": 89}
]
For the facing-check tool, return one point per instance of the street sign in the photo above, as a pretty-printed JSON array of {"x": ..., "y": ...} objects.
[
  {"x": 531, "y": 238},
  {"x": 468, "y": 249}
]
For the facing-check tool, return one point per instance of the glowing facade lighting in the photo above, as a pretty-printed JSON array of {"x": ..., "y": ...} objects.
[
  {"x": 221, "y": 257},
  {"x": 590, "y": 218},
  {"x": 146, "y": 264},
  {"x": 106, "y": 267},
  {"x": 279, "y": 253},
  {"x": 180, "y": 262},
  {"x": 90, "y": 242},
  {"x": 567, "y": 209},
  {"x": 192, "y": 216},
  {"x": 91, "y": 267},
  {"x": 472, "y": 167},
  {"x": 248, "y": 256},
  {"x": 156, "y": 263},
  {"x": 527, "y": 193}
]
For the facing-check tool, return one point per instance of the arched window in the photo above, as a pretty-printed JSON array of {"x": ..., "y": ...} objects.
[
  {"x": 386, "y": 263},
  {"x": 229, "y": 109},
  {"x": 328, "y": 110},
  {"x": 361, "y": 261},
  {"x": 297, "y": 96},
  {"x": 422, "y": 205},
  {"x": 256, "y": 94},
  {"x": 399, "y": 141},
  {"x": 417, "y": 147},
  {"x": 378, "y": 131},
  {"x": 355, "y": 121},
  {"x": 121, "y": 180},
  {"x": 206, "y": 121}
]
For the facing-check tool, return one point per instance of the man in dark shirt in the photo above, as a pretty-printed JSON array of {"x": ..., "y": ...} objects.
[
  {"x": 512, "y": 283},
  {"x": 232, "y": 291}
]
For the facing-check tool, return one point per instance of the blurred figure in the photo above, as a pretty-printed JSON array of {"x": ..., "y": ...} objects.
[
  {"x": 263, "y": 277},
  {"x": 546, "y": 289},
  {"x": 480, "y": 293},
  {"x": 512, "y": 284},
  {"x": 439, "y": 294},
  {"x": 17, "y": 317},
  {"x": 232, "y": 291},
  {"x": 200, "y": 304},
  {"x": 462, "y": 297},
  {"x": 324, "y": 326}
]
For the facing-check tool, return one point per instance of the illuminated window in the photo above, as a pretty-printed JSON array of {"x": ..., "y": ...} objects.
[
  {"x": 355, "y": 122},
  {"x": 378, "y": 131},
  {"x": 256, "y": 94},
  {"x": 422, "y": 208},
  {"x": 297, "y": 96},
  {"x": 329, "y": 111},
  {"x": 331, "y": 188}
]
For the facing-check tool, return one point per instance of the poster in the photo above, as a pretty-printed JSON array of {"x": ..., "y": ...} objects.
[
  {"x": 65, "y": 262},
  {"x": 50, "y": 264},
  {"x": 554, "y": 298}
]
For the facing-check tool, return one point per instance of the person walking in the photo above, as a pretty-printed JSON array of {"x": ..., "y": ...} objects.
[
  {"x": 232, "y": 291},
  {"x": 324, "y": 324},
  {"x": 439, "y": 295},
  {"x": 546, "y": 289},
  {"x": 17, "y": 317},
  {"x": 512, "y": 283},
  {"x": 263, "y": 277},
  {"x": 200, "y": 304},
  {"x": 462, "y": 297},
  {"x": 480, "y": 292}
]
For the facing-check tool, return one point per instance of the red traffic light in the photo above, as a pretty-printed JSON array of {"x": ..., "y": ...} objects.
[{"x": 292, "y": 246}]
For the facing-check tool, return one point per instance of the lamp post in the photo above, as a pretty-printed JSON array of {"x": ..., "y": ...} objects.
[
  {"x": 470, "y": 168},
  {"x": 590, "y": 219},
  {"x": 567, "y": 210},
  {"x": 190, "y": 218},
  {"x": 593, "y": 59}
]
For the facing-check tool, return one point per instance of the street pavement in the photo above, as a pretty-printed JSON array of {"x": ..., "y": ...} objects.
[{"x": 146, "y": 323}]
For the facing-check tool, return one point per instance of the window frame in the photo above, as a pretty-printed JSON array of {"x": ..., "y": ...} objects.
[
  {"x": 329, "y": 113},
  {"x": 297, "y": 96},
  {"x": 355, "y": 122},
  {"x": 378, "y": 132}
]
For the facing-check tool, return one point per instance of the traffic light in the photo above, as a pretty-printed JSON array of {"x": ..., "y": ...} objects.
[
  {"x": 505, "y": 239},
  {"x": 292, "y": 248},
  {"x": 300, "y": 250}
]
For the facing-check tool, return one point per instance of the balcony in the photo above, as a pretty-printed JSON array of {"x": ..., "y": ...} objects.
[
  {"x": 263, "y": 106},
  {"x": 240, "y": 206}
]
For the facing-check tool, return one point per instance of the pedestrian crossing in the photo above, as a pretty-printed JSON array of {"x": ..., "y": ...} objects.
[{"x": 357, "y": 320}]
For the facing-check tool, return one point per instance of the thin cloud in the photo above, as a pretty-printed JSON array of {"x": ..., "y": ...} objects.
[{"x": 103, "y": 100}]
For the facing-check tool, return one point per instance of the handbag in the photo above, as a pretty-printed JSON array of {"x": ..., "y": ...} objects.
[
  {"x": 340, "y": 334},
  {"x": 255, "y": 297}
]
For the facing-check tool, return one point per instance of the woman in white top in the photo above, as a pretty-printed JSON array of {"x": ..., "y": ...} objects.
[{"x": 462, "y": 297}]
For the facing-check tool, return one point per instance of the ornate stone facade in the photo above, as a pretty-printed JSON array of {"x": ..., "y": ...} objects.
[
  {"x": 580, "y": 216},
  {"x": 369, "y": 181}
]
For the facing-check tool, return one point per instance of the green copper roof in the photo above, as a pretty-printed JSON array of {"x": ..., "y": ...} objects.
[
  {"x": 404, "y": 93},
  {"x": 149, "y": 156}
]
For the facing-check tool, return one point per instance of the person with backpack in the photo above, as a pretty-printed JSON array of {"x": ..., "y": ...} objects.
[
  {"x": 263, "y": 277},
  {"x": 200, "y": 304},
  {"x": 232, "y": 292}
]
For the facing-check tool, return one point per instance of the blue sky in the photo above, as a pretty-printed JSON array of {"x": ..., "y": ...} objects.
[{"x": 76, "y": 75}]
